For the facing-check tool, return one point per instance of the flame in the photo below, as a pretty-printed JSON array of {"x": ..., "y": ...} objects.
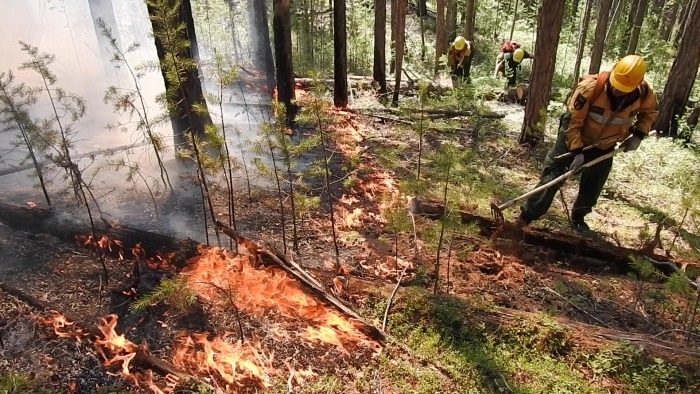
[
  {"x": 62, "y": 327},
  {"x": 261, "y": 290},
  {"x": 234, "y": 362}
]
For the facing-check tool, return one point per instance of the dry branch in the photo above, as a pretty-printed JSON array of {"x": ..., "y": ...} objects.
[
  {"x": 267, "y": 257},
  {"x": 143, "y": 357},
  {"x": 572, "y": 246}
]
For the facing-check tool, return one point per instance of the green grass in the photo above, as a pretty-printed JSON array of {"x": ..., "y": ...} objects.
[{"x": 19, "y": 384}]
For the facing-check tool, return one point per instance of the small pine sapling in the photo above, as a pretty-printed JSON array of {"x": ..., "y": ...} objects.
[
  {"x": 59, "y": 130},
  {"x": 643, "y": 270},
  {"x": 131, "y": 101},
  {"x": 175, "y": 292},
  {"x": 679, "y": 284},
  {"x": 397, "y": 222},
  {"x": 17, "y": 99}
]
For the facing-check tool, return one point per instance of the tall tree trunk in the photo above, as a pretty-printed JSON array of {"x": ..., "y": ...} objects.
[
  {"x": 451, "y": 20},
  {"x": 340, "y": 62},
  {"x": 379, "y": 67},
  {"x": 262, "y": 49},
  {"x": 549, "y": 21},
  {"x": 657, "y": 9},
  {"x": 440, "y": 33},
  {"x": 682, "y": 74},
  {"x": 637, "y": 27},
  {"x": 401, "y": 7},
  {"x": 192, "y": 86},
  {"x": 683, "y": 22},
  {"x": 469, "y": 19},
  {"x": 599, "y": 40},
  {"x": 282, "y": 29},
  {"x": 103, "y": 9},
  {"x": 191, "y": 33},
  {"x": 392, "y": 44},
  {"x": 422, "y": 8},
  {"x": 515, "y": 18},
  {"x": 615, "y": 10},
  {"x": 669, "y": 21},
  {"x": 583, "y": 32},
  {"x": 629, "y": 25}
]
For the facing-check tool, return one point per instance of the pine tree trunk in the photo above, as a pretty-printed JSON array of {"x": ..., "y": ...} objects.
[
  {"x": 379, "y": 67},
  {"x": 684, "y": 16},
  {"x": 392, "y": 44},
  {"x": 469, "y": 19},
  {"x": 599, "y": 40},
  {"x": 422, "y": 8},
  {"x": 615, "y": 10},
  {"x": 451, "y": 21},
  {"x": 637, "y": 27},
  {"x": 192, "y": 86},
  {"x": 103, "y": 9},
  {"x": 629, "y": 26},
  {"x": 657, "y": 9},
  {"x": 583, "y": 32},
  {"x": 191, "y": 32},
  {"x": 669, "y": 22},
  {"x": 440, "y": 33},
  {"x": 682, "y": 74},
  {"x": 549, "y": 21},
  {"x": 515, "y": 18},
  {"x": 282, "y": 29},
  {"x": 401, "y": 8},
  {"x": 262, "y": 49},
  {"x": 340, "y": 62}
]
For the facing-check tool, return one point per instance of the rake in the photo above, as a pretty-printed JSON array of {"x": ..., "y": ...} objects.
[{"x": 497, "y": 210}]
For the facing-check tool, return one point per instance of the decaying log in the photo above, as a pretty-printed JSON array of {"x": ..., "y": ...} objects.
[
  {"x": 143, "y": 357},
  {"x": 269, "y": 258},
  {"x": 68, "y": 228},
  {"x": 566, "y": 244},
  {"x": 517, "y": 94},
  {"x": 367, "y": 83}
]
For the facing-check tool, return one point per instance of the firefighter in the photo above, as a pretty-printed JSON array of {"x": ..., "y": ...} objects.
[
  {"x": 509, "y": 62},
  {"x": 460, "y": 57},
  {"x": 611, "y": 107}
]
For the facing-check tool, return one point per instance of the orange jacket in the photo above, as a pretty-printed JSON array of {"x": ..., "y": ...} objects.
[
  {"x": 455, "y": 57},
  {"x": 587, "y": 122}
]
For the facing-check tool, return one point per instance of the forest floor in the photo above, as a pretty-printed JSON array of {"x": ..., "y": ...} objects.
[{"x": 505, "y": 316}]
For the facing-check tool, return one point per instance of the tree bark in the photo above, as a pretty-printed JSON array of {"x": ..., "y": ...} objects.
[
  {"x": 422, "y": 8},
  {"x": 451, "y": 21},
  {"x": 629, "y": 25},
  {"x": 583, "y": 33},
  {"x": 515, "y": 19},
  {"x": 615, "y": 10},
  {"x": 657, "y": 9},
  {"x": 340, "y": 62},
  {"x": 379, "y": 67},
  {"x": 261, "y": 45},
  {"x": 600, "y": 31},
  {"x": 637, "y": 26},
  {"x": 549, "y": 21},
  {"x": 469, "y": 20},
  {"x": 192, "y": 86},
  {"x": 282, "y": 28},
  {"x": 401, "y": 8},
  {"x": 392, "y": 43},
  {"x": 103, "y": 9},
  {"x": 682, "y": 75},
  {"x": 669, "y": 22},
  {"x": 684, "y": 16},
  {"x": 440, "y": 33}
]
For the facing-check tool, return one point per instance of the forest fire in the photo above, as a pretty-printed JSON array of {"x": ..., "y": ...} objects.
[
  {"x": 234, "y": 363},
  {"x": 62, "y": 327},
  {"x": 260, "y": 290}
]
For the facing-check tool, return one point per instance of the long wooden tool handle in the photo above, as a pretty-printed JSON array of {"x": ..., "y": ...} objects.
[{"x": 558, "y": 179}]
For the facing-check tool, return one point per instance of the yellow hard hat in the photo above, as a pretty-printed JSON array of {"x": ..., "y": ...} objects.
[
  {"x": 460, "y": 43},
  {"x": 628, "y": 73},
  {"x": 518, "y": 55}
]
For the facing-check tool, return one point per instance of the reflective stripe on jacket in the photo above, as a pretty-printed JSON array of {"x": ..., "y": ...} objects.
[{"x": 587, "y": 120}]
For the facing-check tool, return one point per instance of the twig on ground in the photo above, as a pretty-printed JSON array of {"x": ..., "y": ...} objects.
[
  {"x": 578, "y": 308},
  {"x": 391, "y": 297},
  {"x": 664, "y": 332},
  {"x": 229, "y": 293}
]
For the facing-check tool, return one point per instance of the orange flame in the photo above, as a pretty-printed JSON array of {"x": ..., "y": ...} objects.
[
  {"x": 62, "y": 327},
  {"x": 234, "y": 362},
  {"x": 260, "y": 290}
]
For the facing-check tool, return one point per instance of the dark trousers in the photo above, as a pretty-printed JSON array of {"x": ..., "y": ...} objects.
[
  {"x": 463, "y": 72},
  {"x": 592, "y": 181}
]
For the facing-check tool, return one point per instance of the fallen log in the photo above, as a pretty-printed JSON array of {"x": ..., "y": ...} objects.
[
  {"x": 367, "y": 83},
  {"x": 517, "y": 94},
  {"x": 270, "y": 258},
  {"x": 67, "y": 228},
  {"x": 143, "y": 357},
  {"x": 448, "y": 113},
  {"x": 566, "y": 244}
]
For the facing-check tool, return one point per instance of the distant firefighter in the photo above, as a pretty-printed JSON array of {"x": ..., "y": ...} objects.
[
  {"x": 508, "y": 61},
  {"x": 460, "y": 57}
]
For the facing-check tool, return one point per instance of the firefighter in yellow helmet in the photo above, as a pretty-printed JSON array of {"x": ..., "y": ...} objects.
[
  {"x": 509, "y": 62},
  {"x": 604, "y": 109},
  {"x": 460, "y": 57}
]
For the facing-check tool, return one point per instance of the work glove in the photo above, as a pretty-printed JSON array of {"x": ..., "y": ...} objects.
[
  {"x": 577, "y": 163},
  {"x": 632, "y": 142}
]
